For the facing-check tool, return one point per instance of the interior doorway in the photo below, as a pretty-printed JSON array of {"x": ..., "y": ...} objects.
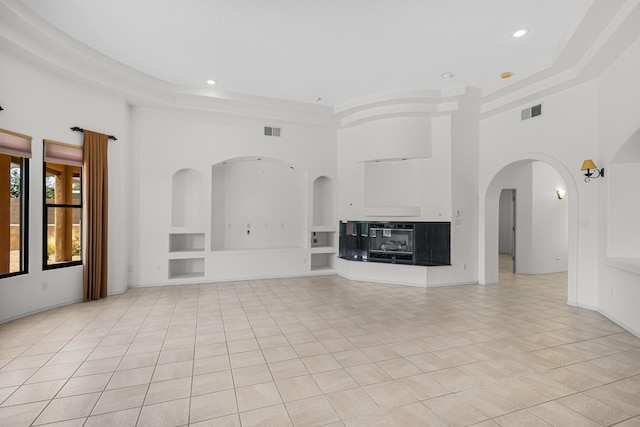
[{"x": 507, "y": 230}]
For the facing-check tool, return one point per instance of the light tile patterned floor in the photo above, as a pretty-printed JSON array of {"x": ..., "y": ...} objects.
[{"x": 322, "y": 351}]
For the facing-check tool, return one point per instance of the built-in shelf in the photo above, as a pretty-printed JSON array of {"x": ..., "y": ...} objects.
[
  {"x": 322, "y": 261},
  {"x": 186, "y": 242},
  {"x": 323, "y": 239},
  {"x": 323, "y": 250},
  {"x": 186, "y": 268}
]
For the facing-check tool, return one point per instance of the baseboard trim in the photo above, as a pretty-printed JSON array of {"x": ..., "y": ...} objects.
[{"x": 40, "y": 310}]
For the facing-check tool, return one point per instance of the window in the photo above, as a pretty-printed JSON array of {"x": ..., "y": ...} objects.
[
  {"x": 62, "y": 205},
  {"x": 15, "y": 151}
]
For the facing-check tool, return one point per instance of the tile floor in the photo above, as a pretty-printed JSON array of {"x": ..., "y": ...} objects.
[{"x": 322, "y": 351}]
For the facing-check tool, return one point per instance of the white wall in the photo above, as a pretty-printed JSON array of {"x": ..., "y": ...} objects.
[
  {"x": 618, "y": 121},
  {"x": 246, "y": 195},
  {"x": 550, "y": 221},
  {"x": 43, "y": 105}
]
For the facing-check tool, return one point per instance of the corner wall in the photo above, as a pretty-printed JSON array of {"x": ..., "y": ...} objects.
[{"x": 44, "y": 105}]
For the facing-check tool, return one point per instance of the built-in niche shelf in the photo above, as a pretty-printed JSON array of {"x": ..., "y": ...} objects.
[
  {"x": 186, "y": 242},
  {"x": 322, "y": 262},
  {"x": 186, "y": 268},
  {"x": 323, "y": 241}
]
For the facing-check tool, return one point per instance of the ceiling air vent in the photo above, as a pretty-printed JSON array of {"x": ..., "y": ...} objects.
[
  {"x": 271, "y": 131},
  {"x": 530, "y": 112}
]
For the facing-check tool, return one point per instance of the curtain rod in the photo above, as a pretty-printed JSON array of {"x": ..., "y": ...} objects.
[{"x": 78, "y": 129}]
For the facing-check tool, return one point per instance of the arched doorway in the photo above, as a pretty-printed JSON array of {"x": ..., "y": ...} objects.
[{"x": 489, "y": 214}]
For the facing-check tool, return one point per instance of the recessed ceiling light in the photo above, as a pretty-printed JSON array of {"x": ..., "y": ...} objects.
[
  {"x": 520, "y": 33},
  {"x": 211, "y": 82},
  {"x": 448, "y": 75}
]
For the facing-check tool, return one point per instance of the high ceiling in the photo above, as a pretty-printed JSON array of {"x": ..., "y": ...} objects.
[{"x": 337, "y": 50}]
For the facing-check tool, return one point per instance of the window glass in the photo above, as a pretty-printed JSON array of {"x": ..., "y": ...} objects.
[
  {"x": 13, "y": 206},
  {"x": 63, "y": 215}
]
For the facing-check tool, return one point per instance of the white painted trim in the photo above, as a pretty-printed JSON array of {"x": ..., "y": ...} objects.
[
  {"x": 619, "y": 323},
  {"x": 40, "y": 310}
]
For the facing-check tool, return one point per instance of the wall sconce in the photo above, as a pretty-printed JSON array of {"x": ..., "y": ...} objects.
[
  {"x": 589, "y": 166},
  {"x": 561, "y": 192}
]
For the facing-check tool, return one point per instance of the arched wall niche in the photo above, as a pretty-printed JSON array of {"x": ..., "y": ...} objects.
[
  {"x": 186, "y": 198},
  {"x": 323, "y": 202},
  {"x": 624, "y": 200},
  {"x": 489, "y": 220},
  {"x": 257, "y": 202}
]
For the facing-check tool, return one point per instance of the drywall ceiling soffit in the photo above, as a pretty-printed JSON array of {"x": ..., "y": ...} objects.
[
  {"x": 347, "y": 62},
  {"x": 302, "y": 49}
]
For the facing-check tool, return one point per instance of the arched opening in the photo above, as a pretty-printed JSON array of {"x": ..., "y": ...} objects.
[{"x": 527, "y": 166}]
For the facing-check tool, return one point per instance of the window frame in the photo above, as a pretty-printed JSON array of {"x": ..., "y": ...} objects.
[
  {"x": 24, "y": 216},
  {"x": 45, "y": 211}
]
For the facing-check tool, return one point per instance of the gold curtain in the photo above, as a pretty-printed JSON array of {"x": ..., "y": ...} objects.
[{"x": 95, "y": 183}]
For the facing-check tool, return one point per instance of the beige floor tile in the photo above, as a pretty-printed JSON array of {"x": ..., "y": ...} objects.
[
  {"x": 67, "y": 408},
  {"x": 351, "y": 358},
  {"x": 368, "y": 374},
  {"x": 272, "y": 341},
  {"x": 520, "y": 418},
  {"x": 277, "y": 354},
  {"x": 312, "y": 411},
  {"x": 213, "y": 405},
  {"x": 251, "y": 375},
  {"x": 389, "y": 394},
  {"x": 170, "y": 371},
  {"x": 29, "y": 393},
  {"x": 379, "y": 353},
  {"x": 247, "y": 358},
  {"x": 140, "y": 360},
  {"x": 352, "y": 403},
  {"x": 454, "y": 411},
  {"x": 211, "y": 382},
  {"x": 629, "y": 404},
  {"x": 84, "y": 385},
  {"x": 169, "y": 414},
  {"x": 398, "y": 368},
  {"x": 423, "y": 387},
  {"x": 127, "y": 418},
  {"x": 320, "y": 363},
  {"x": 415, "y": 414},
  {"x": 226, "y": 421},
  {"x": 335, "y": 380},
  {"x": 489, "y": 402},
  {"x": 210, "y": 364},
  {"x": 428, "y": 362},
  {"x": 101, "y": 366},
  {"x": 559, "y": 415},
  {"x": 379, "y": 418},
  {"x": 211, "y": 350},
  {"x": 297, "y": 388},
  {"x": 257, "y": 396},
  {"x": 164, "y": 391},
  {"x": 21, "y": 415},
  {"x": 287, "y": 369},
  {"x": 130, "y": 377},
  {"x": 119, "y": 399},
  {"x": 50, "y": 373},
  {"x": 454, "y": 379},
  {"x": 593, "y": 409},
  {"x": 307, "y": 349},
  {"x": 275, "y": 415}
]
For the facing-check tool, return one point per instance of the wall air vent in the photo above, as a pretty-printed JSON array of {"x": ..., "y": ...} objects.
[
  {"x": 271, "y": 131},
  {"x": 530, "y": 112}
]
